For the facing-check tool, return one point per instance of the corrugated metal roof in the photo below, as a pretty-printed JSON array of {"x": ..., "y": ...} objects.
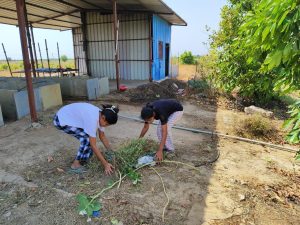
[{"x": 65, "y": 14}]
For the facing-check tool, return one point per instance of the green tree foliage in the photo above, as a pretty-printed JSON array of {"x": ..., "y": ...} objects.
[
  {"x": 258, "y": 51},
  {"x": 233, "y": 70},
  {"x": 64, "y": 58},
  {"x": 187, "y": 58},
  {"x": 271, "y": 33}
]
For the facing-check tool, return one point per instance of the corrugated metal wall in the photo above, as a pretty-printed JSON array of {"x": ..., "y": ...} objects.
[
  {"x": 133, "y": 46},
  {"x": 161, "y": 32},
  {"x": 79, "y": 55}
]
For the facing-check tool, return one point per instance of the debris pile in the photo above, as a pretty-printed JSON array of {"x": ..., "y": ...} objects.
[{"x": 168, "y": 88}]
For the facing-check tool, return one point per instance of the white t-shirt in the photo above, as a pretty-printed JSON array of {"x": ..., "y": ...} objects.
[{"x": 81, "y": 115}]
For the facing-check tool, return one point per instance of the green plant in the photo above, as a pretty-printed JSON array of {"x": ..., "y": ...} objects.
[
  {"x": 187, "y": 58},
  {"x": 127, "y": 156},
  {"x": 86, "y": 206},
  {"x": 293, "y": 124},
  {"x": 233, "y": 67},
  {"x": 3, "y": 67},
  {"x": 64, "y": 58}
]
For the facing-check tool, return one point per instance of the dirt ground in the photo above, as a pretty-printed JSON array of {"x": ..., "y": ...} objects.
[{"x": 248, "y": 184}]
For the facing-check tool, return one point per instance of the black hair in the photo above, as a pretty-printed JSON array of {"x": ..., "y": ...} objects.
[
  {"x": 111, "y": 113},
  {"x": 147, "y": 112}
]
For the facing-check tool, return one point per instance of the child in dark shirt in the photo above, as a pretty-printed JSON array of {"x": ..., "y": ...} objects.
[{"x": 168, "y": 112}]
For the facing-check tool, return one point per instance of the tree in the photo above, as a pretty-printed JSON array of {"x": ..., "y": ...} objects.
[
  {"x": 259, "y": 49},
  {"x": 187, "y": 58},
  {"x": 273, "y": 27},
  {"x": 233, "y": 71},
  {"x": 64, "y": 58}
]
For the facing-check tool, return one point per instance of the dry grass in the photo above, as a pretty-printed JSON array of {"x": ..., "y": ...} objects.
[
  {"x": 256, "y": 127},
  {"x": 186, "y": 72}
]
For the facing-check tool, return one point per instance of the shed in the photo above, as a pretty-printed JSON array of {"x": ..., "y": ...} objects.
[
  {"x": 127, "y": 39},
  {"x": 143, "y": 33}
]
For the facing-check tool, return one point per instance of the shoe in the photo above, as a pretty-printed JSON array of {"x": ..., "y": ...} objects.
[
  {"x": 79, "y": 170},
  {"x": 169, "y": 154}
]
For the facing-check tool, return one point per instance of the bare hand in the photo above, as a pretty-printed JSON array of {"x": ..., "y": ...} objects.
[
  {"x": 159, "y": 156},
  {"x": 108, "y": 169}
]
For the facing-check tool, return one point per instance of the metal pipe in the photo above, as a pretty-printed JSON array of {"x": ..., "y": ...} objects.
[
  {"x": 7, "y": 60},
  {"x": 20, "y": 5},
  {"x": 29, "y": 43},
  {"x": 212, "y": 133},
  {"x": 59, "y": 60},
  {"x": 129, "y": 39},
  {"x": 116, "y": 43},
  {"x": 41, "y": 58},
  {"x": 48, "y": 57},
  {"x": 34, "y": 49},
  {"x": 121, "y": 21}
]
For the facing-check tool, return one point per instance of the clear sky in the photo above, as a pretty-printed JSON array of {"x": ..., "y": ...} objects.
[{"x": 197, "y": 13}]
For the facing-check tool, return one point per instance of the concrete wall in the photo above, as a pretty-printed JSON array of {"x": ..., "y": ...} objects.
[{"x": 1, "y": 118}]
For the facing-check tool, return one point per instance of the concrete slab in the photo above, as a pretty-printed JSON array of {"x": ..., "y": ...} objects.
[
  {"x": 104, "y": 86},
  {"x": 1, "y": 118},
  {"x": 93, "y": 89},
  {"x": 22, "y": 103},
  {"x": 97, "y": 87},
  {"x": 50, "y": 96},
  {"x": 7, "y": 101},
  {"x": 15, "y": 103}
]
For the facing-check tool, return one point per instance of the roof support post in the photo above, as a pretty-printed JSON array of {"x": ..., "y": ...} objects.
[
  {"x": 116, "y": 43},
  {"x": 20, "y": 5},
  {"x": 85, "y": 43}
]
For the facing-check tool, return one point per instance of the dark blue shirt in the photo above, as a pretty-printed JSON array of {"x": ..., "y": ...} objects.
[{"x": 163, "y": 108}]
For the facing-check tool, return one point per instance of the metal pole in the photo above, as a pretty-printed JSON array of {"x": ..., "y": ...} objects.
[
  {"x": 7, "y": 60},
  {"x": 20, "y": 5},
  {"x": 48, "y": 57},
  {"x": 116, "y": 43},
  {"x": 29, "y": 43},
  {"x": 41, "y": 58},
  {"x": 85, "y": 43},
  {"x": 59, "y": 60},
  {"x": 150, "y": 49},
  {"x": 34, "y": 49}
]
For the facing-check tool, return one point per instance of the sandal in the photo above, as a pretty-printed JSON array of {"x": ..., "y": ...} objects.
[{"x": 78, "y": 170}]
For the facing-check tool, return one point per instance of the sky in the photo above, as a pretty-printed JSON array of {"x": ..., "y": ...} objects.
[{"x": 197, "y": 13}]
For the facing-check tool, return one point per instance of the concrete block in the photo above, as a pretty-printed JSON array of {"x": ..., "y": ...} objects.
[
  {"x": 93, "y": 88},
  {"x": 50, "y": 96},
  {"x": 104, "y": 86},
  {"x": 1, "y": 118},
  {"x": 7, "y": 102},
  {"x": 22, "y": 103},
  {"x": 256, "y": 110}
]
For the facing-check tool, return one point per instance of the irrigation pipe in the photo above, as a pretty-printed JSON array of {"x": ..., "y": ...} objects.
[{"x": 218, "y": 134}]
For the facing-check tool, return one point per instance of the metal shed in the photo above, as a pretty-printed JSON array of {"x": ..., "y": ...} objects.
[{"x": 127, "y": 39}]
